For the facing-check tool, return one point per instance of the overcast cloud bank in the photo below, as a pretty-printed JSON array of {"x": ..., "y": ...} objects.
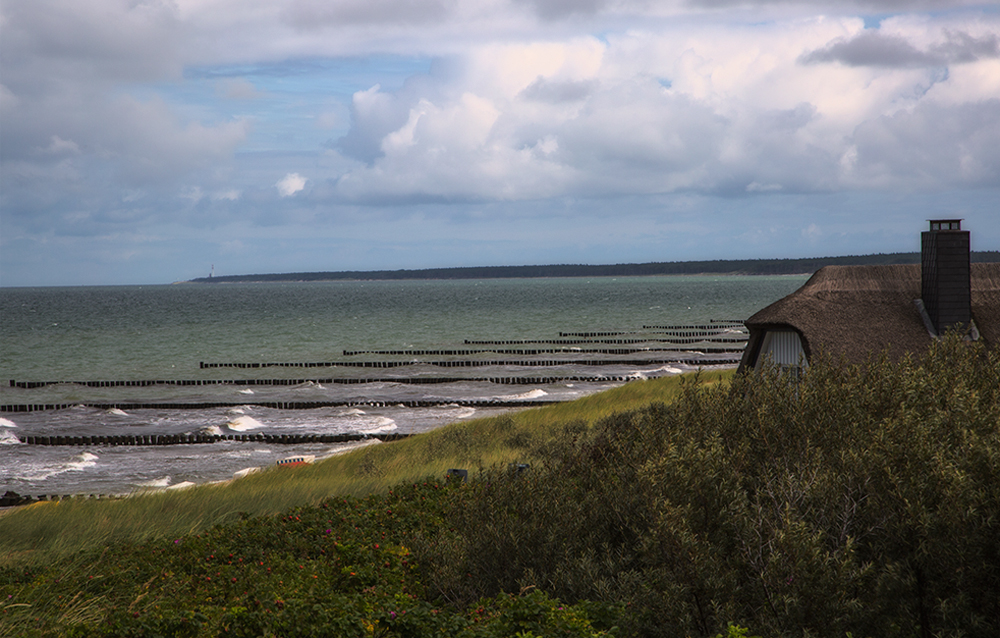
[{"x": 144, "y": 141}]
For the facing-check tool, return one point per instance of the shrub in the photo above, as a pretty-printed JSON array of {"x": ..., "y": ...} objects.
[{"x": 848, "y": 499}]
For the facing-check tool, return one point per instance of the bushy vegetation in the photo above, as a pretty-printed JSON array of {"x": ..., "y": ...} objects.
[
  {"x": 850, "y": 500},
  {"x": 854, "y": 500},
  {"x": 338, "y": 569}
]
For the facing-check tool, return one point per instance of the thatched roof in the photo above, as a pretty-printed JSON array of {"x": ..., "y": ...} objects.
[{"x": 860, "y": 310}]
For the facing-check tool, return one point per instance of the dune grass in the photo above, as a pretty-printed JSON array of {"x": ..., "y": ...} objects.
[{"x": 49, "y": 531}]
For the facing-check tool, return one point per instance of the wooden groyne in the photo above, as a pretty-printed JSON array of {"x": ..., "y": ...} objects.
[
  {"x": 277, "y": 405},
  {"x": 465, "y": 363},
  {"x": 194, "y": 439},
  {"x": 570, "y": 342},
  {"x": 512, "y": 380},
  {"x": 519, "y": 351},
  {"x": 710, "y": 335},
  {"x": 712, "y": 325},
  {"x": 28, "y": 385}
]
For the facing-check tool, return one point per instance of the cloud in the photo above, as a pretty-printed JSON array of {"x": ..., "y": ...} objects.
[
  {"x": 230, "y": 195},
  {"x": 66, "y": 66},
  {"x": 554, "y": 91},
  {"x": 237, "y": 89},
  {"x": 313, "y": 14},
  {"x": 558, "y": 9},
  {"x": 181, "y": 114},
  {"x": 291, "y": 184},
  {"x": 933, "y": 145},
  {"x": 740, "y": 115},
  {"x": 874, "y": 48},
  {"x": 95, "y": 41},
  {"x": 374, "y": 115},
  {"x": 327, "y": 120},
  {"x": 59, "y": 146},
  {"x": 839, "y": 6}
]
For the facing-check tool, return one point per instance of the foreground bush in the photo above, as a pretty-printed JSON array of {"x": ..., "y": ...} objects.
[
  {"x": 339, "y": 569},
  {"x": 856, "y": 500},
  {"x": 849, "y": 500}
]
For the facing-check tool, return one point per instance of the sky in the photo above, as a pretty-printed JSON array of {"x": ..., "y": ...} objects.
[{"x": 152, "y": 141}]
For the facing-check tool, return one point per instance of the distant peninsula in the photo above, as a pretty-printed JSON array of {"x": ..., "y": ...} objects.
[{"x": 716, "y": 267}]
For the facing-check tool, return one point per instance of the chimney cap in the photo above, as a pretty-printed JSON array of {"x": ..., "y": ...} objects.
[{"x": 946, "y": 224}]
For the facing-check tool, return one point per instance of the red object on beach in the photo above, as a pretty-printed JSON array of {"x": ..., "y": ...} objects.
[{"x": 294, "y": 461}]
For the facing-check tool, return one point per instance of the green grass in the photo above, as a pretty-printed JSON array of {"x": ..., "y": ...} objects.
[{"x": 45, "y": 532}]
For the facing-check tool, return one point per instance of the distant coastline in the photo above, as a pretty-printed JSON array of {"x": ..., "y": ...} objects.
[{"x": 716, "y": 267}]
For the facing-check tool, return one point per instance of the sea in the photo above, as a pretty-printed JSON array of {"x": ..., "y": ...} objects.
[{"x": 248, "y": 367}]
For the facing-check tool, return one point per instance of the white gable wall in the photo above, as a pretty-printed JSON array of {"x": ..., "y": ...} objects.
[{"x": 782, "y": 347}]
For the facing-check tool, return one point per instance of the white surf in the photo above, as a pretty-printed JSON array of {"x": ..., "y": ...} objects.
[
  {"x": 524, "y": 396},
  {"x": 244, "y": 423}
]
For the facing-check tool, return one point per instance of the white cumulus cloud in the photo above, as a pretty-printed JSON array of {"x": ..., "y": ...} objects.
[
  {"x": 291, "y": 184},
  {"x": 719, "y": 108}
]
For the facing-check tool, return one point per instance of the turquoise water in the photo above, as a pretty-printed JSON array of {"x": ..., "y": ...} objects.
[{"x": 87, "y": 334}]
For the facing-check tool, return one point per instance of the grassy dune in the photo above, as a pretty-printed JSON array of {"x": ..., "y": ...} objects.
[{"x": 45, "y": 532}]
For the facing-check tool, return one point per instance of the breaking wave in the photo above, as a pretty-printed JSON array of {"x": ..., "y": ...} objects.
[
  {"x": 244, "y": 423},
  {"x": 531, "y": 394},
  {"x": 377, "y": 424},
  {"x": 160, "y": 482},
  {"x": 309, "y": 384},
  {"x": 78, "y": 463}
]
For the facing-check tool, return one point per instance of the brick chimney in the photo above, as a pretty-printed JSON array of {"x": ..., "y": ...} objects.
[{"x": 944, "y": 274}]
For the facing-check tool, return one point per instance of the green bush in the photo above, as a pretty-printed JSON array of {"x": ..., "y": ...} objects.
[
  {"x": 848, "y": 499},
  {"x": 338, "y": 569}
]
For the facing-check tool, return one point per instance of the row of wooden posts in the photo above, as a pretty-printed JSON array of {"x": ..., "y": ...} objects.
[
  {"x": 14, "y": 383},
  {"x": 466, "y": 364},
  {"x": 185, "y": 439}
]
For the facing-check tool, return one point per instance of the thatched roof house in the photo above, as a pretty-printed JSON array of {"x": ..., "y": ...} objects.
[{"x": 859, "y": 310}]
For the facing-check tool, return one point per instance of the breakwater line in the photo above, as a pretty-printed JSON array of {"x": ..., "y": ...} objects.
[
  {"x": 29, "y": 385},
  {"x": 710, "y": 335},
  {"x": 511, "y": 380},
  {"x": 280, "y": 405},
  {"x": 519, "y": 351},
  {"x": 192, "y": 439},
  {"x": 570, "y": 342},
  {"x": 467, "y": 363},
  {"x": 713, "y": 325}
]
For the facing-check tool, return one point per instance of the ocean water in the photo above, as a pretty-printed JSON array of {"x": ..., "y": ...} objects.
[{"x": 228, "y": 359}]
